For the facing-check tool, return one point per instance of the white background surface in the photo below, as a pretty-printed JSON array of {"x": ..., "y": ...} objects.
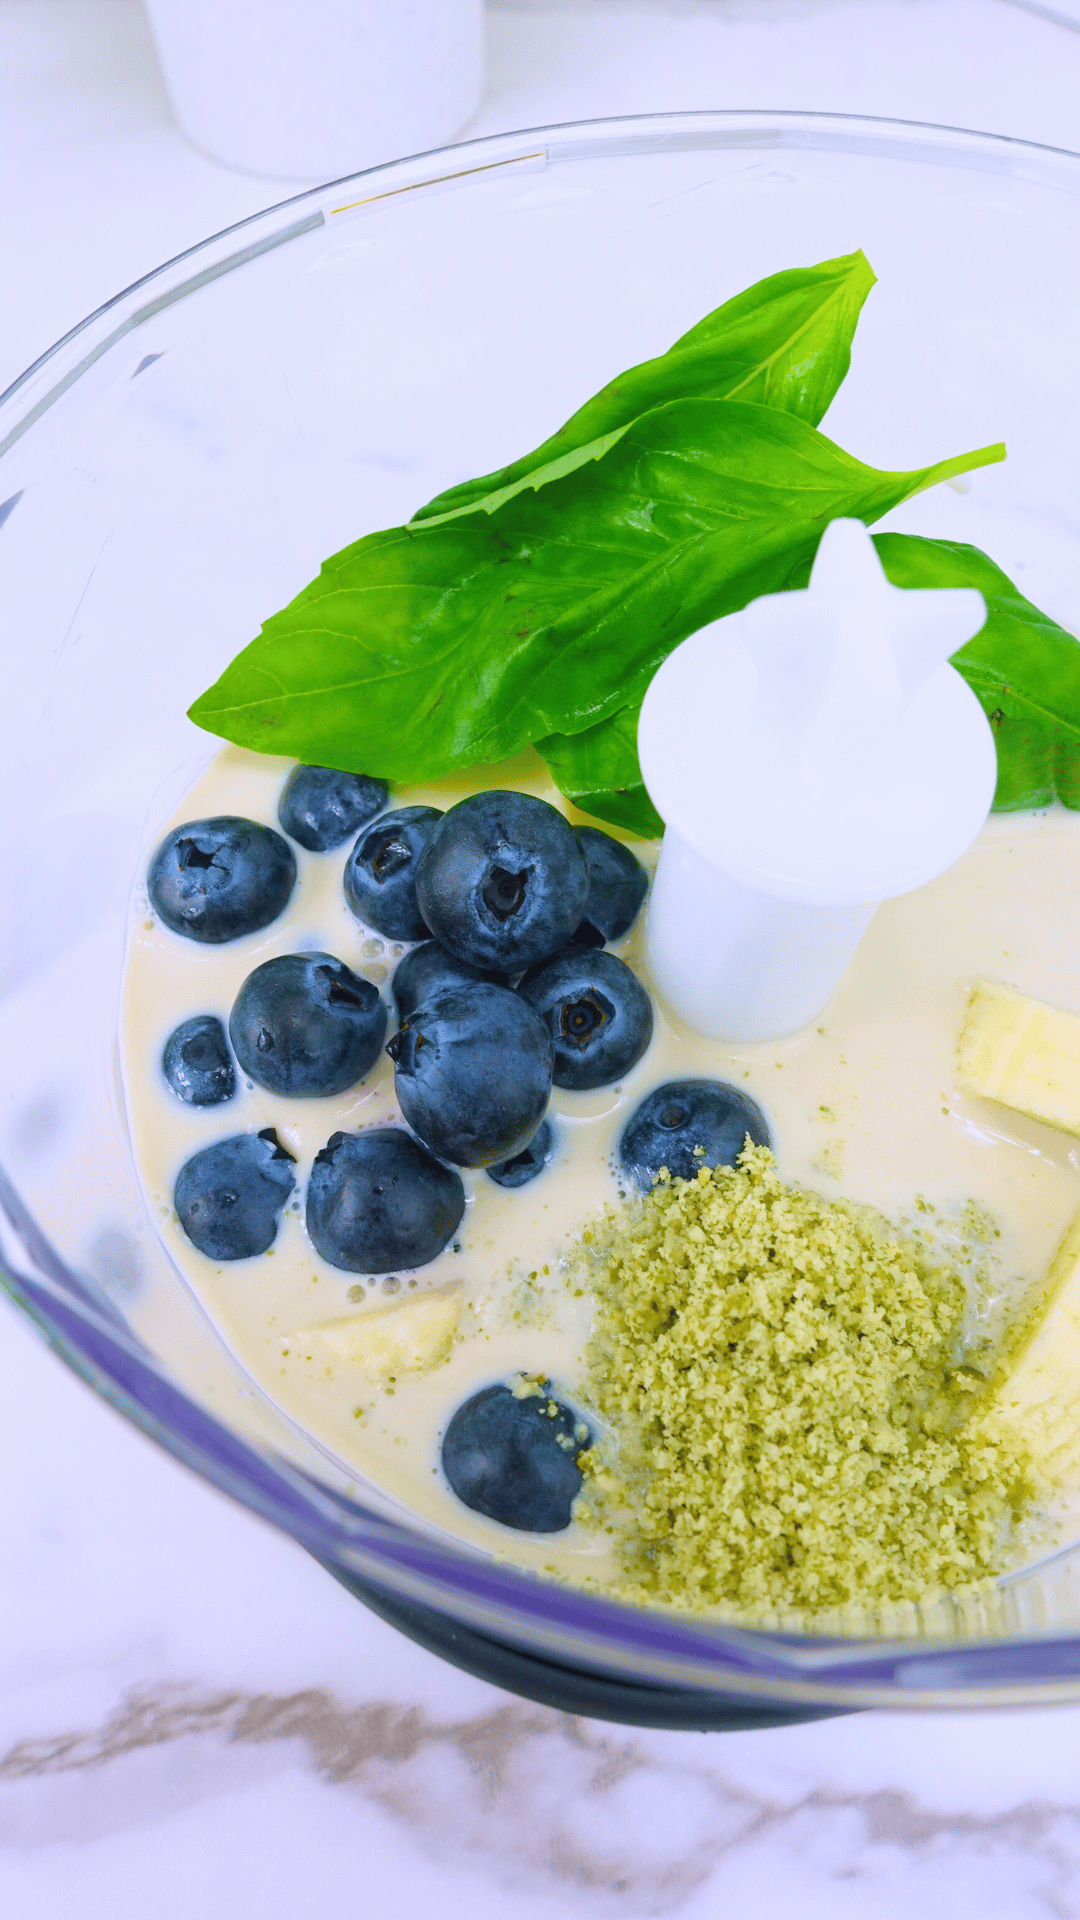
[{"x": 193, "y": 1718}]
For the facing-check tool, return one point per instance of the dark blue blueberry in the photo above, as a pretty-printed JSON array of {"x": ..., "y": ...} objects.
[
  {"x": 305, "y": 1024},
  {"x": 473, "y": 1073},
  {"x": 598, "y": 1014},
  {"x": 197, "y": 1063},
  {"x": 217, "y": 879},
  {"x": 322, "y": 808},
  {"x": 618, "y": 884},
  {"x": 229, "y": 1197},
  {"x": 682, "y": 1115},
  {"x": 502, "y": 882},
  {"x": 515, "y": 1460},
  {"x": 378, "y": 1201},
  {"x": 426, "y": 969},
  {"x": 380, "y": 873},
  {"x": 524, "y": 1166}
]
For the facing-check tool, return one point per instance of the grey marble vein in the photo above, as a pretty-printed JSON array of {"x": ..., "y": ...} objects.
[{"x": 541, "y": 1798}]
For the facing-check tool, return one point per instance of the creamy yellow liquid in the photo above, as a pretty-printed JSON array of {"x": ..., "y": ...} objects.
[{"x": 861, "y": 1103}]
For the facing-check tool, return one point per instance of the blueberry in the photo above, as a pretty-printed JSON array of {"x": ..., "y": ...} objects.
[
  {"x": 322, "y": 808},
  {"x": 380, "y": 874},
  {"x": 378, "y": 1201},
  {"x": 229, "y": 1197},
  {"x": 598, "y": 1014},
  {"x": 502, "y": 882},
  {"x": 514, "y": 1460},
  {"x": 217, "y": 879},
  {"x": 305, "y": 1024},
  {"x": 473, "y": 1073},
  {"x": 618, "y": 884},
  {"x": 683, "y": 1114},
  {"x": 524, "y": 1166},
  {"x": 426, "y": 969},
  {"x": 197, "y": 1063}
]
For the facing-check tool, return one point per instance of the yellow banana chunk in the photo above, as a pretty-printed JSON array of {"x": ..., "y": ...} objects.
[
  {"x": 406, "y": 1336},
  {"x": 1040, "y": 1398},
  {"x": 1022, "y": 1054}
]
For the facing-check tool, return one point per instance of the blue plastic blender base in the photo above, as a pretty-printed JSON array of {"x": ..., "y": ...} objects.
[{"x": 573, "y": 1689}]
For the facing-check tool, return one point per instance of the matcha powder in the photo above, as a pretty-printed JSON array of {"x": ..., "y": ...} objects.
[{"x": 789, "y": 1428}]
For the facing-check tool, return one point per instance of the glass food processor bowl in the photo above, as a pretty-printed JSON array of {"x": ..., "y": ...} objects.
[{"x": 178, "y": 467}]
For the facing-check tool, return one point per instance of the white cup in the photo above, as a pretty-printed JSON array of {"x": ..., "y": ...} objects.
[{"x": 311, "y": 89}]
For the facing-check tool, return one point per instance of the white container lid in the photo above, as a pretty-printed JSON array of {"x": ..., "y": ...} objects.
[{"x": 817, "y": 746}]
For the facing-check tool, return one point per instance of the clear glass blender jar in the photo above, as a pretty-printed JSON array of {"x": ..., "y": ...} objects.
[{"x": 178, "y": 467}]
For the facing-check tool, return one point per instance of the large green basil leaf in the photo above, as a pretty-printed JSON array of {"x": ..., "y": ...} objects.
[
  {"x": 423, "y": 649},
  {"x": 1023, "y": 667},
  {"x": 785, "y": 343}
]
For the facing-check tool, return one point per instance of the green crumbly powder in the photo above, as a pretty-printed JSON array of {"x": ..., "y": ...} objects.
[{"x": 790, "y": 1427}]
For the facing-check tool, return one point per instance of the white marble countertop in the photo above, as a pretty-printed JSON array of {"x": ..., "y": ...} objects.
[{"x": 194, "y": 1719}]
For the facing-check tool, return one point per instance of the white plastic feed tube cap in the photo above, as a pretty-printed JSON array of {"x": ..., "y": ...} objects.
[{"x": 810, "y": 756}]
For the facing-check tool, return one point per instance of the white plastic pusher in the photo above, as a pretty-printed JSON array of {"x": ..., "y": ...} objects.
[{"x": 810, "y": 756}]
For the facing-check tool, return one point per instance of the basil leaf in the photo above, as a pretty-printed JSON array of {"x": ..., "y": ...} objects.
[
  {"x": 422, "y": 649},
  {"x": 784, "y": 343},
  {"x": 1023, "y": 667},
  {"x": 599, "y": 771}
]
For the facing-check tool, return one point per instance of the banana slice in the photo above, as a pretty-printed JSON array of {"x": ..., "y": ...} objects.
[
  {"x": 1040, "y": 1398},
  {"x": 407, "y": 1336},
  {"x": 1022, "y": 1054}
]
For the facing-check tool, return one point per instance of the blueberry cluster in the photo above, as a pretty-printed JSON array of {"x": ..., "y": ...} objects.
[
  {"x": 510, "y": 991},
  {"x": 508, "y": 888}
]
